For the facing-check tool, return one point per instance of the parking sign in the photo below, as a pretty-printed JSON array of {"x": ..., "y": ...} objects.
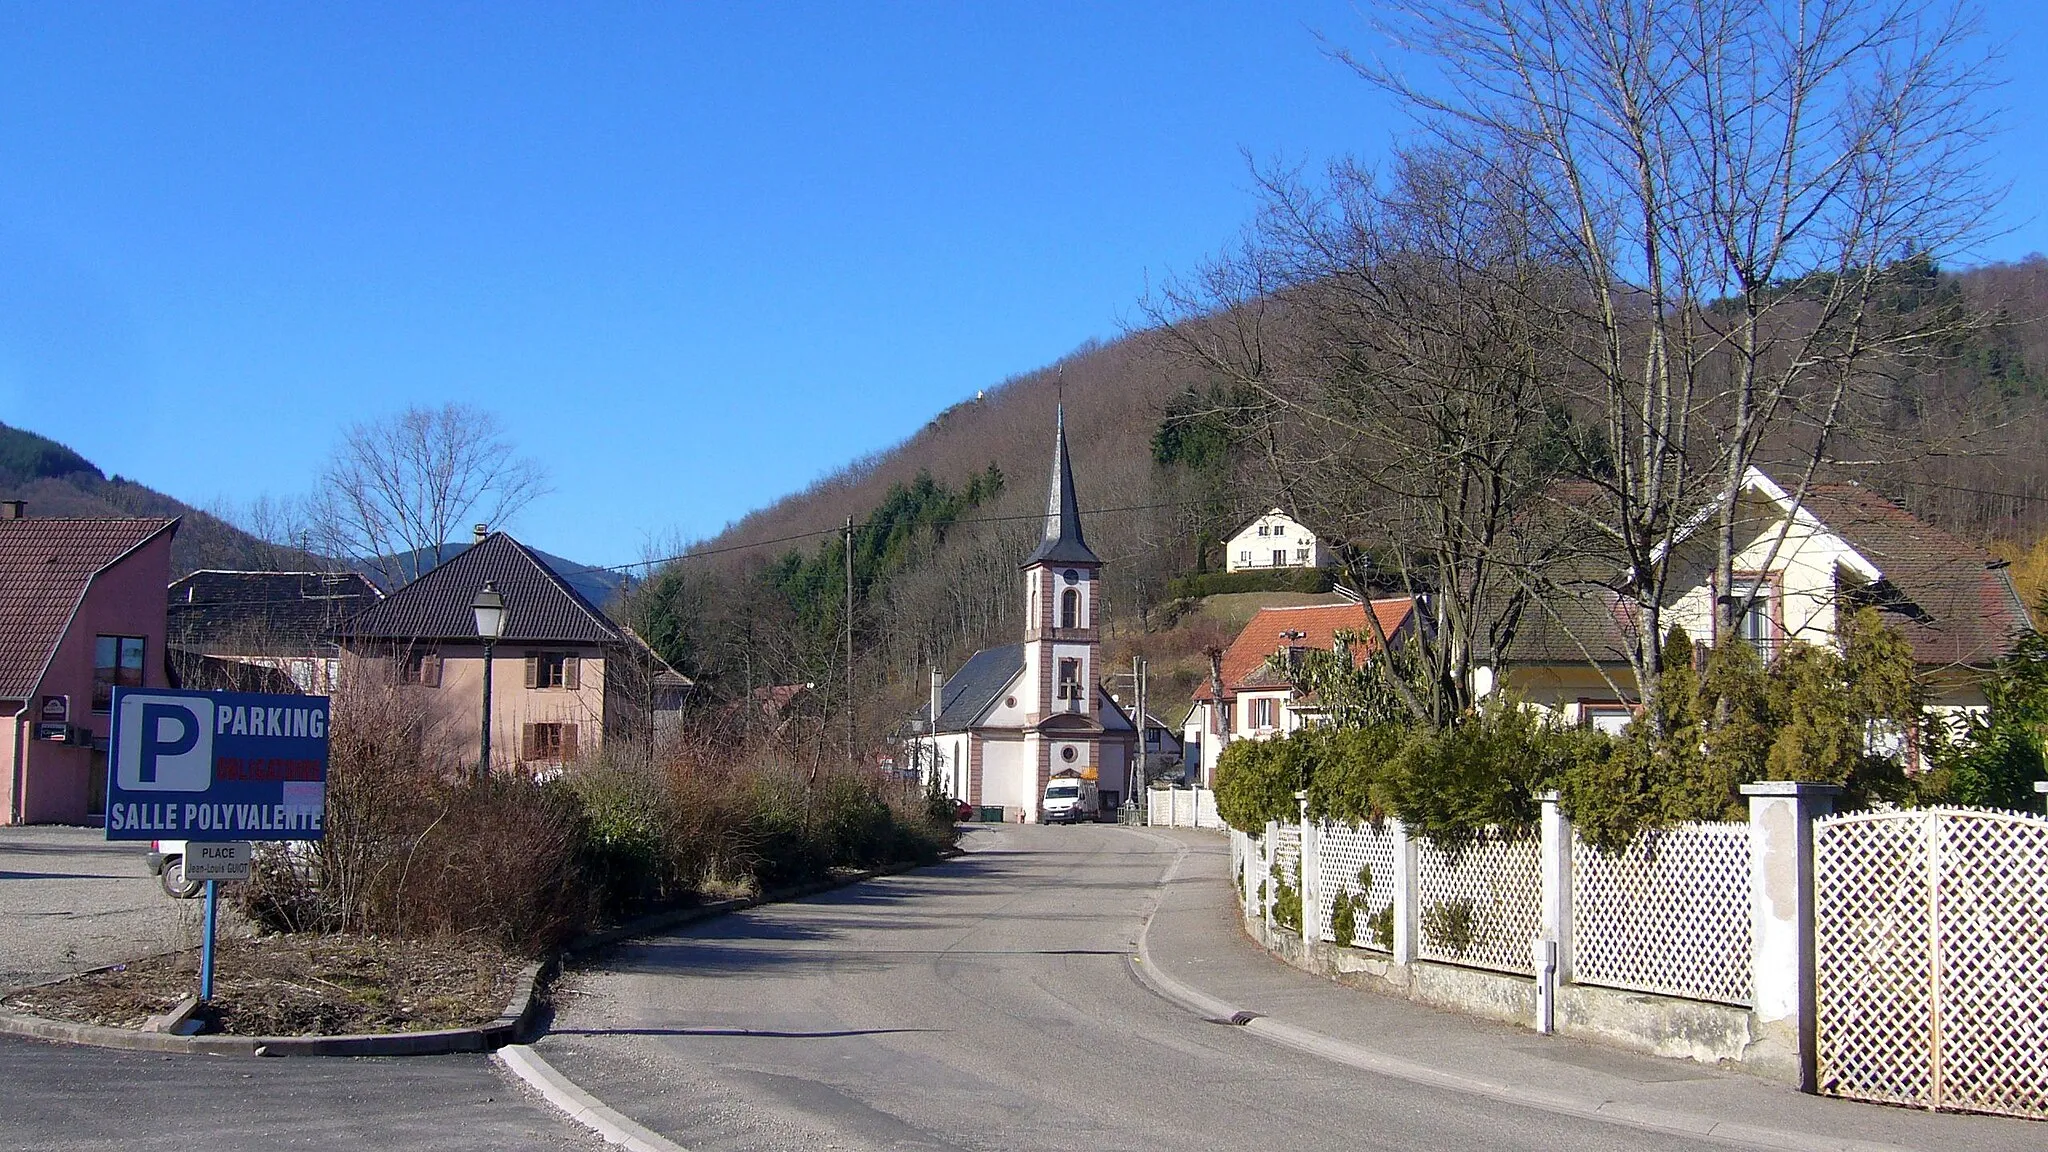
[{"x": 214, "y": 766}]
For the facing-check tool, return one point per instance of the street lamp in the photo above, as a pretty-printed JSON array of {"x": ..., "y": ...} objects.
[{"x": 489, "y": 607}]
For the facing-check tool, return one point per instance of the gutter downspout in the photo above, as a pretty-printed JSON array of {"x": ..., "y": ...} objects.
[{"x": 20, "y": 768}]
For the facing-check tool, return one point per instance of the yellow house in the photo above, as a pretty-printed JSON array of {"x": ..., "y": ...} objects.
[{"x": 1798, "y": 566}]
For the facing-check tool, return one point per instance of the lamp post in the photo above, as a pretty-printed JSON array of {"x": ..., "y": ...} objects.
[{"x": 489, "y": 607}]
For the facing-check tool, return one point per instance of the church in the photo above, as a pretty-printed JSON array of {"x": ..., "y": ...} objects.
[{"x": 1013, "y": 717}]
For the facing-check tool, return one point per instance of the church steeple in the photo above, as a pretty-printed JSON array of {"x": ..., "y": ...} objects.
[{"x": 1062, "y": 542}]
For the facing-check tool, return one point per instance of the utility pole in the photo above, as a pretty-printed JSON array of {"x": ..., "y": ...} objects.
[{"x": 849, "y": 642}]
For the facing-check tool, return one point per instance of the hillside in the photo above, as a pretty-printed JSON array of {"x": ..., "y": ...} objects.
[
  {"x": 1961, "y": 450},
  {"x": 55, "y": 481}
]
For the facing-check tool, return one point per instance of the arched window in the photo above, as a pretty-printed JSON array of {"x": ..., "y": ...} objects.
[{"x": 1070, "y": 608}]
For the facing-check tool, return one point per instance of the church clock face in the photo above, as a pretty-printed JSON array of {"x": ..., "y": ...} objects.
[{"x": 1071, "y": 576}]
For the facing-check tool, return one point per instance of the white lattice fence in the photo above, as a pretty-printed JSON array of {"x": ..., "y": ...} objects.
[
  {"x": 1183, "y": 807},
  {"x": 1287, "y": 852},
  {"x": 1205, "y": 809},
  {"x": 1931, "y": 957},
  {"x": 1669, "y": 915},
  {"x": 1482, "y": 904},
  {"x": 1342, "y": 852},
  {"x": 1159, "y": 807}
]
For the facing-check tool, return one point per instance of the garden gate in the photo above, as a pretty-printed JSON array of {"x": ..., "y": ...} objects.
[{"x": 1931, "y": 959}]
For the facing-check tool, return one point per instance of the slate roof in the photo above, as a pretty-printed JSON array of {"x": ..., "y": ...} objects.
[
  {"x": 46, "y": 565},
  {"x": 1968, "y": 611},
  {"x": 1244, "y": 661},
  {"x": 1941, "y": 591},
  {"x": 975, "y": 686},
  {"x": 264, "y": 613},
  {"x": 1062, "y": 542},
  {"x": 541, "y": 607}
]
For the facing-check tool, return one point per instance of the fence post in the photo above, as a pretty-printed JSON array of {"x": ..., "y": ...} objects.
[
  {"x": 1781, "y": 816},
  {"x": 1311, "y": 901},
  {"x": 1406, "y": 914},
  {"x": 1557, "y": 883},
  {"x": 1267, "y": 884}
]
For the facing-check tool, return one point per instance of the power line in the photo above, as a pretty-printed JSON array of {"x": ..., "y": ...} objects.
[{"x": 840, "y": 529}]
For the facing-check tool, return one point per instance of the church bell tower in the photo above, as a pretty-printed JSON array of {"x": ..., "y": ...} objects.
[{"x": 1061, "y": 590}]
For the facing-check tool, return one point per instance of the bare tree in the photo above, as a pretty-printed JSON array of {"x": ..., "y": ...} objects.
[
  {"x": 1736, "y": 183},
  {"x": 1391, "y": 329},
  {"x": 398, "y": 489}
]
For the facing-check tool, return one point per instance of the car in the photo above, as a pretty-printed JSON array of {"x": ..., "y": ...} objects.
[
  {"x": 963, "y": 812},
  {"x": 167, "y": 864}
]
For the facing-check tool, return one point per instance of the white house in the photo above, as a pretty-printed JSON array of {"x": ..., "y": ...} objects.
[
  {"x": 996, "y": 731},
  {"x": 1275, "y": 540},
  {"x": 1798, "y": 565}
]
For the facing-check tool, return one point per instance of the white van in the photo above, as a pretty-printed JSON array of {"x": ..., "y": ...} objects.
[{"x": 1070, "y": 800}]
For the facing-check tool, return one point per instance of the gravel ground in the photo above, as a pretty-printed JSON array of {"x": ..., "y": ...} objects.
[{"x": 69, "y": 900}]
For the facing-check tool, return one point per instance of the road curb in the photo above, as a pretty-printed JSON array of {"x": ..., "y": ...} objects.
[
  {"x": 1313, "y": 1043},
  {"x": 510, "y": 1026},
  {"x": 580, "y": 1106}
]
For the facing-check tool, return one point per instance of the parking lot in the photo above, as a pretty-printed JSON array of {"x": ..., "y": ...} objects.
[{"x": 69, "y": 901}]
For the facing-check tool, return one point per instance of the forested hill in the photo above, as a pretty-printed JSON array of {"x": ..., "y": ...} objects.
[
  {"x": 1117, "y": 395},
  {"x": 55, "y": 481}
]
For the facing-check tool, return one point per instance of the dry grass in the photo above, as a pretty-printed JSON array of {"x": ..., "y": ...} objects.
[{"x": 298, "y": 985}]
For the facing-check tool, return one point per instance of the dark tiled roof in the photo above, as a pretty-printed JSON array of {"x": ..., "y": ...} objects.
[
  {"x": 541, "y": 607},
  {"x": 264, "y": 613},
  {"x": 975, "y": 686},
  {"x": 1967, "y": 610},
  {"x": 1062, "y": 542},
  {"x": 45, "y": 567},
  {"x": 213, "y": 674}
]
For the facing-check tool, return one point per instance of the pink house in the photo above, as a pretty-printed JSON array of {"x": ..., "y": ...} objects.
[{"x": 81, "y": 613}]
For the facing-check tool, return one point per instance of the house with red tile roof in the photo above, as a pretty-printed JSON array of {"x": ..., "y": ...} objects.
[
  {"x": 81, "y": 613},
  {"x": 1799, "y": 564},
  {"x": 1258, "y": 701}
]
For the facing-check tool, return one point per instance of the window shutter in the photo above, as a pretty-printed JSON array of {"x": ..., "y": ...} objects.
[
  {"x": 430, "y": 670},
  {"x": 533, "y": 669},
  {"x": 568, "y": 742},
  {"x": 526, "y": 739},
  {"x": 572, "y": 673}
]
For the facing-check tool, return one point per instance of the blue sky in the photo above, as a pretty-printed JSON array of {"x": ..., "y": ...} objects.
[{"x": 695, "y": 256}]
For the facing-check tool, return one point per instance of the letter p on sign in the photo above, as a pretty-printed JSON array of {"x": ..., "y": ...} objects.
[{"x": 166, "y": 743}]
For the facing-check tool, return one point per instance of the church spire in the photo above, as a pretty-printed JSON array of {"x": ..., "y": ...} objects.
[{"x": 1062, "y": 543}]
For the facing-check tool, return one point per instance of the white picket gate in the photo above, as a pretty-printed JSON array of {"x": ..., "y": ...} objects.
[{"x": 1931, "y": 959}]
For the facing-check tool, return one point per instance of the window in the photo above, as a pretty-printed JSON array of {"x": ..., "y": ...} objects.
[
  {"x": 555, "y": 742},
  {"x": 1756, "y": 598},
  {"x": 1262, "y": 530},
  {"x": 1070, "y": 608},
  {"x": 116, "y": 663},
  {"x": 1301, "y": 555},
  {"x": 423, "y": 668},
  {"x": 1609, "y": 716},
  {"x": 1262, "y": 712},
  {"x": 1245, "y": 556},
  {"x": 1279, "y": 557},
  {"x": 554, "y": 670},
  {"x": 1070, "y": 680}
]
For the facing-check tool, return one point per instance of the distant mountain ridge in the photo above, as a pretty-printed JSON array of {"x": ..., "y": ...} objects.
[{"x": 53, "y": 480}]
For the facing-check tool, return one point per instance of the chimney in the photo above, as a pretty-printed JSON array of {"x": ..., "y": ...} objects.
[
  {"x": 12, "y": 509},
  {"x": 481, "y": 530}
]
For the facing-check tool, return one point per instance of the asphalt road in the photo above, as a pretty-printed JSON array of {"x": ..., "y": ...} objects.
[
  {"x": 54, "y": 1096},
  {"x": 985, "y": 1003},
  {"x": 70, "y": 900}
]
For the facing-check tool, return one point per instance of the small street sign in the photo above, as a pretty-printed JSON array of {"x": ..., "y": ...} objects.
[
  {"x": 55, "y": 709},
  {"x": 218, "y": 860},
  {"x": 56, "y": 732}
]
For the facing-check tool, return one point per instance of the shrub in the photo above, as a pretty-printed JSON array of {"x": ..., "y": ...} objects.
[
  {"x": 1449, "y": 926},
  {"x": 1258, "y": 580},
  {"x": 1344, "y": 920}
]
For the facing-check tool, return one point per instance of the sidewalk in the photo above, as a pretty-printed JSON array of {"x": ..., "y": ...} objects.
[{"x": 1194, "y": 942}]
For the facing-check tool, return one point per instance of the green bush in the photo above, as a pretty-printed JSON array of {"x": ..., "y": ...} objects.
[
  {"x": 1286, "y": 900},
  {"x": 1260, "y": 580},
  {"x": 1344, "y": 920},
  {"x": 1449, "y": 926}
]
